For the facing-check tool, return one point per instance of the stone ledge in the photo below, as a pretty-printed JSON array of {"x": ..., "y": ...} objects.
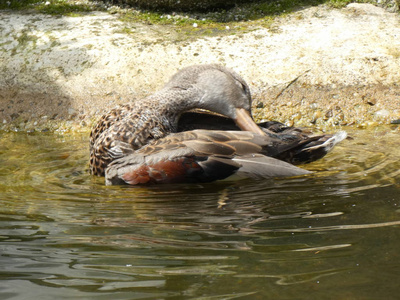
[{"x": 75, "y": 68}]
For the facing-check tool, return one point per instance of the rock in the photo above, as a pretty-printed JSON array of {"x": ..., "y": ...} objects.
[
  {"x": 382, "y": 113},
  {"x": 395, "y": 121},
  {"x": 14, "y": 116},
  {"x": 316, "y": 116},
  {"x": 71, "y": 111},
  {"x": 73, "y": 62},
  {"x": 260, "y": 105}
]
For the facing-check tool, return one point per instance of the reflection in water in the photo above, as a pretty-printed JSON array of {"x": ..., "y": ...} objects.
[{"x": 332, "y": 233}]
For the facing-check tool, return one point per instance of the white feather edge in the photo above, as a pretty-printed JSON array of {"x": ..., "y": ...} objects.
[
  {"x": 267, "y": 167},
  {"x": 331, "y": 142}
]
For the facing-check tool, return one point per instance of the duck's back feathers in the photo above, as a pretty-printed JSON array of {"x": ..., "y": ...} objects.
[
  {"x": 290, "y": 144},
  {"x": 199, "y": 156}
]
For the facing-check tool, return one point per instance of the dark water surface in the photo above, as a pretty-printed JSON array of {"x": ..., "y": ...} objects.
[{"x": 332, "y": 235}]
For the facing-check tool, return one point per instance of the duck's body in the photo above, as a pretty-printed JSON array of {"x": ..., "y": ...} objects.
[{"x": 141, "y": 143}]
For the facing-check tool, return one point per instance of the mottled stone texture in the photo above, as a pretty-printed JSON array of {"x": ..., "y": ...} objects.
[{"x": 317, "y": 66}]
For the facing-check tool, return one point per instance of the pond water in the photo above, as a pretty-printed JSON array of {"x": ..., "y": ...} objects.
[{"x": 332, "y": 235}]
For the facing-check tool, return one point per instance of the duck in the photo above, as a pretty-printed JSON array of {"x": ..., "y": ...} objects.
[{"x": 163, "y": 139}]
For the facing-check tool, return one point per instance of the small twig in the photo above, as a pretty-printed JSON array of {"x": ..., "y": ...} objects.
[{"x": 290, "y": 83}]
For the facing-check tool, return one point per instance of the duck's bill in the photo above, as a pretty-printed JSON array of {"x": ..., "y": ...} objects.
[{"x": 246, "y": 122}]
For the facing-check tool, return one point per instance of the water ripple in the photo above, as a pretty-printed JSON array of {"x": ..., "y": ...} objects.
[{"x": 62, "y": 228}]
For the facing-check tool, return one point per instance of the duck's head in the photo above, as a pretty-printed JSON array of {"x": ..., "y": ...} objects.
[{"x": 220, "y": 90}]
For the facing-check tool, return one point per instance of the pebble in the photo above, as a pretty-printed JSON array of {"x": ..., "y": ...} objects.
[
  {"x": 260, "y": 105},
  {"x": 382, "y": 113},
  {"x": 340, "y": 116},
  {"x": 368, "y": 124},
  {"x": 316, "y": 116},
  {"x": 328, "y": 114},
  {"x": 71, "y": 111},
  {"x": 297, "y": 117}
]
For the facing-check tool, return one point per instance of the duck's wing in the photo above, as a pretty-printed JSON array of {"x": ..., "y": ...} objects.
[
  {"x": 293, "y": 145},
  {"x": 200, "y": 156}
]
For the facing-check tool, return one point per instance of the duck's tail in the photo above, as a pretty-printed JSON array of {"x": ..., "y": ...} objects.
[{"x": 313, "y": 148}]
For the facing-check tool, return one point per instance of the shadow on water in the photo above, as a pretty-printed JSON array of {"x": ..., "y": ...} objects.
[{"x": 332, "y": 234}]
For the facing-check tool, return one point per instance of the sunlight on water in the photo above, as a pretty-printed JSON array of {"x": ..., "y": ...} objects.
[{"x": 331, "y": 235}]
